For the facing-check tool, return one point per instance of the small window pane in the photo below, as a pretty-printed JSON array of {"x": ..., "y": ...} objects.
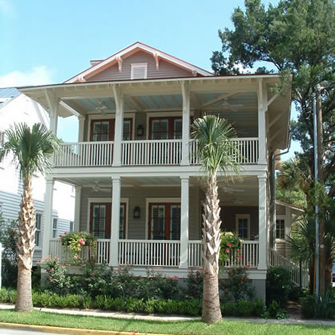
[{"x": 280, "y": 229}]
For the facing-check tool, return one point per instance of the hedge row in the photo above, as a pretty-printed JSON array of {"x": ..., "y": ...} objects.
[{"x": 151, "y": 306}]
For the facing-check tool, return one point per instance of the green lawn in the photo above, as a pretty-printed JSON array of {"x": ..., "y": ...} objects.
[{"x": 180, "y": 327}]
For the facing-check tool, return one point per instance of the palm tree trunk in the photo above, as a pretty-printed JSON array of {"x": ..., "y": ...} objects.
[
  {"x": 25, "y": 248},
  {"x": 211, "y": 311}
]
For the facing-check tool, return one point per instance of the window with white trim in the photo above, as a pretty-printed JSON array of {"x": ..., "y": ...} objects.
[
  {"x": 139, "y": 71},
  {"x": 280, "y": 229},
  {"x": 38, "y": 225},
  {"x": 54, "y": 227},
  {"x": 243, "y": 226}
]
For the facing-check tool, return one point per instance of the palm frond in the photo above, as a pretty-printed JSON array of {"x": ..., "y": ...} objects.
[
  {"x": 31, "y": 148},
  {"x": 215, "y": 148}
]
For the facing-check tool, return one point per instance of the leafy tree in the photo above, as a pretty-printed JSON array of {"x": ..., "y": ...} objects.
[
  {"x": 31, "y": 150},
  {"x": 298, "y": 37},
  {"x": 215, "y": 151}
]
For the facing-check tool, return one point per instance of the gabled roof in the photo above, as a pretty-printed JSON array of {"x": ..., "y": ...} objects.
[
  {"x": 7, "y": 94},
  {"x": 100, "y": 65}
]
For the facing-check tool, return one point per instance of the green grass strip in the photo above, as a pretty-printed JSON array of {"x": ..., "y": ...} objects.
[{"x": 169, "y": 327}]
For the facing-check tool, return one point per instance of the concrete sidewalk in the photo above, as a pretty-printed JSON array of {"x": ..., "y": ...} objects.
[{"x": 120, "y": 315}]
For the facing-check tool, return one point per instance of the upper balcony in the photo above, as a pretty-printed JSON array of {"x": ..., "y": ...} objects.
[
  {"x": 144, "y": 153},
  {"x": 147, "y": 122}
]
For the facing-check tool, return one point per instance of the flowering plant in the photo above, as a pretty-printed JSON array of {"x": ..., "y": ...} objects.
[
  {"x": 75, "y": 241},
  {"x": 230, "y": 243},
  {"x": 57, "y": 278}
]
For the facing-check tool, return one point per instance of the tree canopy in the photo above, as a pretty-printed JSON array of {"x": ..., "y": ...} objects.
[{"x": 298, "y": 37}]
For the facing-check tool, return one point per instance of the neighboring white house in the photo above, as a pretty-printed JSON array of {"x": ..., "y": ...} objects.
[
  {"x": 16, "y": 107},
  {"x": 134, "y": 165}
]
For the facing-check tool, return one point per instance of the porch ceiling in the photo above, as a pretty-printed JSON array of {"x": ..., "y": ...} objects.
[{"x": 241, "y": 192}]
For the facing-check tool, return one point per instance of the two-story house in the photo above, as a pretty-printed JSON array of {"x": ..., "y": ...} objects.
[
  {"x": 139, "y": 186},
  {"x": 15, "y": 107}
]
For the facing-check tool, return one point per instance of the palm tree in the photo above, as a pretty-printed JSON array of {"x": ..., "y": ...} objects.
[
  {"x": 215, "y": 151},
  {"x": 31, "y": 150}
]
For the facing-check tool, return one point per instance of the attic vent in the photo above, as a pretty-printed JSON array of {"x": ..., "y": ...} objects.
[{"x": 139, "y": 71}]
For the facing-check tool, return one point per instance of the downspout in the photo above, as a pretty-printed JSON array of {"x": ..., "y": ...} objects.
[{"x": 274, "y": 190}]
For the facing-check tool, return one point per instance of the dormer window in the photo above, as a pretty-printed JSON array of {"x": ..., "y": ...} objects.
[{"x": 139, "y": 71}]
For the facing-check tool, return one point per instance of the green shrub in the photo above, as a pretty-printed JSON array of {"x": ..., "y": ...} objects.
[
  {"x": 229, "y": 309},
  {"x": 275, "y": 311},
  {"x": 238, "y": 286},
  {"x": 278, "y": 285},
  {"x": 194, "y": 284},
  {"x": 325, "y": 308},
  {"x": 57, "y": 279},
  {"x": 243, "y": 308}
]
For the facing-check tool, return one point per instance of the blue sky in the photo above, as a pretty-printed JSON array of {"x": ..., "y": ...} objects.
[{"x": 49, "y": 41}]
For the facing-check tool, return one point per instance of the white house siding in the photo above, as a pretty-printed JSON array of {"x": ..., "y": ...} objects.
[
  {"x": 166, "y": 70},
  {"x": 137, "y": 228}
]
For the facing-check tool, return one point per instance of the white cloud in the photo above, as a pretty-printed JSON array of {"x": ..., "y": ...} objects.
[
  {"x": 39, "y": 75},
  {"x": 6, "y": 7}
]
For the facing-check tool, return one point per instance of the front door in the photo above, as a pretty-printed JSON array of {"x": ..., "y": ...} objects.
[
  {"x": 100, "y": 223},
  {"x": 164, "y": 221}
]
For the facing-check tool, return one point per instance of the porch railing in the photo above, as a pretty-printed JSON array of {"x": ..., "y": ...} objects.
[
  {"x": 162, "y": 152},
  {"x": 246, "y": 149},
  {"x": 101, "y": 254},
  {"x": 149, "y": 253},
  {"x": 298, "y": 275},
  {"x": 248, "y": 256},
  {"x": 85, "y": 154},
  {"x": 155, "y": 253},
  {"x": 143, "y": 153}
]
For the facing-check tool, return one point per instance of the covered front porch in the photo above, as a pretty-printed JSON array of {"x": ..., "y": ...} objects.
[{"x": 155, "y": 222}]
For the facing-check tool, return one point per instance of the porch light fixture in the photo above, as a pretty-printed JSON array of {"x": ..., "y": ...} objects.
[
  {"x": 140, "y": 130},
  {"x": 137, "y": 212}
]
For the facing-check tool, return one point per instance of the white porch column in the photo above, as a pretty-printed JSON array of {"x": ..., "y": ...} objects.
[
  {"x": 185, "y": 124},
  {"x": 81, "y": 121},
  {"x": 118, "y": 133},
  {"x": 261, "y": 124},
  {"x": 47, "y": 225},
  {"x": 116, "y": 202},
  {"x": 53, "y": 103},
  {"x": 262, "y": 223},
  {"x": 184, "y": 222},
  {"x": 77, "y": 209}
]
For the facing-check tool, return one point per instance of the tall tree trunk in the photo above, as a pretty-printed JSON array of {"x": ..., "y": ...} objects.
[
  {"x": 211, "y": 311},
  {"x": 25, "y": 248}
]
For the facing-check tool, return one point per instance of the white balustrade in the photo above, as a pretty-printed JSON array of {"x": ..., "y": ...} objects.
[
  {"x": 84, "y": 154},
  {"x": 155, "y": 152},
  {"x": 148, "y": 152},
  {"x": 149, "y": 253},
  {"x": 248, "y": 255},
  {"x": 298, "y": 275},
  {"x": 156, "y": 253},
  {"x": 245, "y": 149}
]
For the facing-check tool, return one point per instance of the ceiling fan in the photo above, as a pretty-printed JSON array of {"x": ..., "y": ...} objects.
[
  {"x": 227, "y": 105},
  {"x": 98, "y": 188},
  {"x": 102, "y": 108}
]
